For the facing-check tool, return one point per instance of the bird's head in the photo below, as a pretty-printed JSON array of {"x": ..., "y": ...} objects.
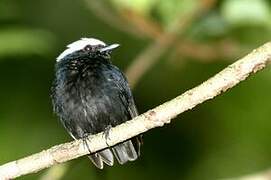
[{"x": 87, "y": 46}]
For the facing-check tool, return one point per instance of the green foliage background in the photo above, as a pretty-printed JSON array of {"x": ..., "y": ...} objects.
[{"x": 226, "y": 137}]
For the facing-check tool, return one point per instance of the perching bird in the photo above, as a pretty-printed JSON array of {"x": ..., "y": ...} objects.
[{"x": 90, "y": 95}]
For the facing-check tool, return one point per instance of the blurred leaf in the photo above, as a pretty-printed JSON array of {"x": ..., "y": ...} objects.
[
  {"x": 171, "y": 9},
  {"x": 244, "y": 12},
  {"x": 55, "y": 172},
  {"x": 22, "y": 41},
  {"x": 140, "y": 6},
  {"x": 212, "y": 25},
  {"x": 8, "y": 10}
]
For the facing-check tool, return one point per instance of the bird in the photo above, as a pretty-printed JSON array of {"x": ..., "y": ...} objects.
[{"x": 90, "y": 95}]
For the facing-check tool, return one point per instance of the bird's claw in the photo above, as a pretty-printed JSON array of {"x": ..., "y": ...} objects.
[
  {"x": 106, "y": 134},
  {"x": 85, "y": 142}
]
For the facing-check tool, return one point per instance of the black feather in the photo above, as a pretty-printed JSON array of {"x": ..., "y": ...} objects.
[{"x": 89, "y": 95}]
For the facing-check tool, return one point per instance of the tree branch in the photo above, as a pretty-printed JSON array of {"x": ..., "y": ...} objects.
[
  {"x": 156, "y": 117},
  {"x": 147, "y": 58}
]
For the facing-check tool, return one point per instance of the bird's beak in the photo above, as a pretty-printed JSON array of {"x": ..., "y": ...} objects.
[{"x": 109, "y": 48}]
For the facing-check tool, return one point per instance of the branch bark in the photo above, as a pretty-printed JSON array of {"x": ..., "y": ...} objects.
[{"x": 156, "y": 117}]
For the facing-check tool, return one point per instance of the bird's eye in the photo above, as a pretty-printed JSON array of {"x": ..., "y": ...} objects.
[{"x": 88, "y": 48}]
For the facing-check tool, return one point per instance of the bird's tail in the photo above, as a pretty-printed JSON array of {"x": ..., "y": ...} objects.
[{"x": 123, "y": 152}]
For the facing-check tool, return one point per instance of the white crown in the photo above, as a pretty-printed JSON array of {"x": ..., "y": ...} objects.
[{"x": 78, "y": 45}]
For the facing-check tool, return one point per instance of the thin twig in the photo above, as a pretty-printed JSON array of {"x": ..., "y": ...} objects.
[
  {"x": 145, "y": 60},
  {"x": 108, "y": 16},
  {"x": 141, "y": 26},
  {"x": 156, "y": 117},
  {"x": 145, "y": 24},
  {"x": 208, "y": 52}
]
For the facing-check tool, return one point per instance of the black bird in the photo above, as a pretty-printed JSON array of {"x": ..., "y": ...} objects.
[{"x": 90, "y": 95}]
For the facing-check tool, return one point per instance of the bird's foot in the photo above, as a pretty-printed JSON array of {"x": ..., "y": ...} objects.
[
  {"x": 85, "y": 142},
  {"x": 106, "y": 134}
]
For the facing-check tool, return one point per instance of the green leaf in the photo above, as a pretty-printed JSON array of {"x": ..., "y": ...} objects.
[
  {"x": 169, "y": 10},
  {"x": 140, "y": 6},
  {"x": 212, "y": 25},
  {"x": 22, "y": 41},
  {"x": 8, "y": 10},
  {"x": 246, "y": 12}
]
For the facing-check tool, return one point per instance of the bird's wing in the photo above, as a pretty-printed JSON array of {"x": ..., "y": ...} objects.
[
  {"x": 125, "y": 94},
  {"x": 122, "y": 101}
]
